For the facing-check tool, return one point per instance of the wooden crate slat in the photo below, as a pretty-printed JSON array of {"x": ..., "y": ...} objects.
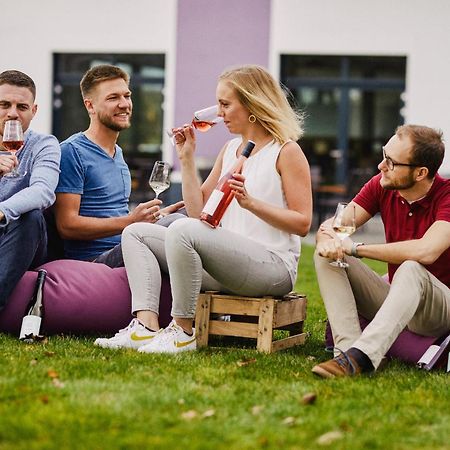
[
  {"x": 249, "y": 330},
  {"x": 289, "y": 311},
  {"x": 288, "y": 342}
]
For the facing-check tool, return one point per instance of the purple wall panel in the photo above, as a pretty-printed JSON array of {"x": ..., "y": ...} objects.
[{"x": 211, "y": 36}]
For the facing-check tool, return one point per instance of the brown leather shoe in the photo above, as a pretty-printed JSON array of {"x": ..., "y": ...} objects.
[{"x": 343, "y": 365}]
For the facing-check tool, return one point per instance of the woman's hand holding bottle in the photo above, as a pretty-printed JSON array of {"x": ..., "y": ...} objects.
[{"x": 237, "y": 184}]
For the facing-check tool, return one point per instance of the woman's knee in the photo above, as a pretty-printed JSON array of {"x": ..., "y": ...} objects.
[
  {"x": 138, "y": 231},
  {"x": 184, "y": 230}
]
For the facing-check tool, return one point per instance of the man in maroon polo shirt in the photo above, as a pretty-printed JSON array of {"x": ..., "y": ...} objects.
[{"x": 414, "y": 204}]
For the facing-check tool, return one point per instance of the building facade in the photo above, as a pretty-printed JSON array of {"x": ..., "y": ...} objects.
[{"x": 357, "y": 69}]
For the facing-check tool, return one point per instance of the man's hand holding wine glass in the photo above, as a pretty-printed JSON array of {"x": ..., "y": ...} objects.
[
  {"x": 146, "y": 211},
  {"x": 7, "y": 163}
]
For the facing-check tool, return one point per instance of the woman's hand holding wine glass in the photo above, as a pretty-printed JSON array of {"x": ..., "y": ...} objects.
[
  {"x": 203, "y": 120},
  {"x": 344, "y": 224},
  {"x": 13, "y": 142}
]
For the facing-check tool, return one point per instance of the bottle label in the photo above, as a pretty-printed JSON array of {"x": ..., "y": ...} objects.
[
  {"x": 30, "y": 327},
  {"x": 213, "y": 202}
]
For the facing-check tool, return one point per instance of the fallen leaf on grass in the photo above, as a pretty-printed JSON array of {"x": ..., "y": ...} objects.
[
  {"x": 288, "y": 420},
  {"x": 57, "y": 383},
  {"x": 189, "y": 415},
  {"x": 310, "y": 358},
  {"x": 257, "y": 409},
  {"x": 330, "y": 437},
  {"x": 309, "y": 398},
  {"x": 246, "y": 362},
  {"x": 49, "y": 354},
  {"x": 33, "y": 362},
  {"x": 209, "y": 413},
  {"x": 52, "y": 373},
  {"x": 181, "y": 401},
  {"x": 44, "y": 399}
]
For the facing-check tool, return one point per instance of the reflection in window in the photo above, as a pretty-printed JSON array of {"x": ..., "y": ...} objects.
[{"x": 352, "y": 105}]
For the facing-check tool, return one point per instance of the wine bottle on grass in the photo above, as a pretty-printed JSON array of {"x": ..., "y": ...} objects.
[
  {"x": 31, "y": 323},
  {"x": 222, "y": 195}
]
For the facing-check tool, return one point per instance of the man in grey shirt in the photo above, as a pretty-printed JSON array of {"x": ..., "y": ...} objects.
[{"x": 23, "y": 236}]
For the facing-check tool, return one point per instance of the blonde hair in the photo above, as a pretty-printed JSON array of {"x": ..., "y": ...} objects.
[{"x": 266, "y": 99}]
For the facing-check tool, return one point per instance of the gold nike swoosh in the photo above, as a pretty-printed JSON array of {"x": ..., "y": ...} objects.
[
  {"x": 183, "y": 344},
  {"x": 135, "y": 337}
]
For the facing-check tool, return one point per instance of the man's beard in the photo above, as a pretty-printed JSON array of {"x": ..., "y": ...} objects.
[
  {"x": 109, "y": 123},
  {"x": 406, "y": 182}
]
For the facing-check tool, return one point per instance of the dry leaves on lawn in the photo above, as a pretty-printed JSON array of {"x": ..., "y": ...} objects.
[
  {"x": 189, "y": 415},
  {"x": 246, "y": 362},
  {"x": 309, "y": 398},
  {"x": 288, "y": 420},
  {"x": 330, "y": 437}
]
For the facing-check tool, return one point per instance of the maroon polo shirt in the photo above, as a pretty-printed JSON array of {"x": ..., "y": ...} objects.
[{"x": 403, "y": 221}]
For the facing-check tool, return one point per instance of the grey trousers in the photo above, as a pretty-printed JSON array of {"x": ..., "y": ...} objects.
[
  {"x": 114, "y": 257},
  {"x": 416, "y": 300},
  {"x": 197, "y": 258}
]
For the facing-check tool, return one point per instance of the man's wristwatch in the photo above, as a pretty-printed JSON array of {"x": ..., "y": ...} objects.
[{"x": 354, "y": 250}]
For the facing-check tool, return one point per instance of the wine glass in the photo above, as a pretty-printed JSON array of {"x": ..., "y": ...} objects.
[
  {"x": 13, "y": 142},
  {"x": 203, "y": 120},
  {"x": 159, "y": 178},
  {"x": 343, "y": 225}
]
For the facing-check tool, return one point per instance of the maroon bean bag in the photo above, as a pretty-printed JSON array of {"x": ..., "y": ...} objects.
[
  {"x": 79, "y": 298},
  {"x": 408, "y": 346}
]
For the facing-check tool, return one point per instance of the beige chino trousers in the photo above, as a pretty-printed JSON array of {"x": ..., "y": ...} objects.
[{"x": 416, "y": 300}]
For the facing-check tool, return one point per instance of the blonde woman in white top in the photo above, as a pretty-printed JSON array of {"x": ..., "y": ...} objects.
[{"x": 255, "y": 251}]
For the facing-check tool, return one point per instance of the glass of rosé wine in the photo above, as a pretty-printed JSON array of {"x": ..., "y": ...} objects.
[
  {"x": 203, "y": 120},
  {"x": 13, "y": 142}
]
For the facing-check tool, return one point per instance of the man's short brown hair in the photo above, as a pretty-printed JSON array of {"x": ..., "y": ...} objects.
[
  {"x": 17, "y": 78},
  {"x": 97, "y": 74},
  {"x": 428, "y": 146}
]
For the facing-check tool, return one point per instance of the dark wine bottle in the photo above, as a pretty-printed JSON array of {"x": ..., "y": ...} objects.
[
  {"x": 31, "y": 322},
  {"x": 222, "y": 195}
]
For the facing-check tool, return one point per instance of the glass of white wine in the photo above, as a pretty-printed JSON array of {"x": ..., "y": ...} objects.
[
  {"x": 159, "y": 179},
  {"x": 344, "y": 224}
]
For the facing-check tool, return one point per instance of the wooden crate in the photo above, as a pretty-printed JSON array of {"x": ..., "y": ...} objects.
[{"x": 252, "y": 318}]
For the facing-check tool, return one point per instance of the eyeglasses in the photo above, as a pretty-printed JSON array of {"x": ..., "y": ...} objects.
[{"x": 391, "y": 164}]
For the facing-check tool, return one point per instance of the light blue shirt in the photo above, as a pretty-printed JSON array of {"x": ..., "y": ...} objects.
[
  {"x": 39, "y": 158},
  {"x": 104, "y": 184}
]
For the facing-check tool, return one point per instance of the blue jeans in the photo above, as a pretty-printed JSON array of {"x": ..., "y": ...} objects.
[{"x": 23, "y": 245}]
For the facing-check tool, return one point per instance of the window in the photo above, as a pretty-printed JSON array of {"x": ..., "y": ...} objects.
[
  {"x": 141, "y": 143},
  {"x": 352, "y": 105}
]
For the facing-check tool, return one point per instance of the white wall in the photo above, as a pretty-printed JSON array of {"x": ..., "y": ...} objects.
[
  {"x": 416, "y": 29},
  {"x": 30, "y": 37}
]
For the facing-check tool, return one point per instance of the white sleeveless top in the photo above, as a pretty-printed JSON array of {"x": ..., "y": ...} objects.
[{"x": 263, "y": 182}]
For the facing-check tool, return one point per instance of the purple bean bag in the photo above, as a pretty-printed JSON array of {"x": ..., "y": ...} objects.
[
  {"x": 408, "y": 346},
  {"x": 79, "y": 298}
]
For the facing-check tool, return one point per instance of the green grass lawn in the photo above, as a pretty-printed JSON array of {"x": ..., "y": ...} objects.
[{"x": 68, "y": 394}]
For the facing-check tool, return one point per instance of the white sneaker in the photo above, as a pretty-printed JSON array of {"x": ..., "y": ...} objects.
[
  {"x": 135, "y": 335},
  {"x": 172, "y": 339}
]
